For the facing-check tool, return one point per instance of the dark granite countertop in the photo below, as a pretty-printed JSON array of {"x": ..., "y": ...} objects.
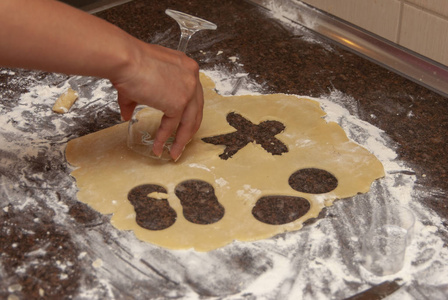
[{"x": 280, "y": 59}]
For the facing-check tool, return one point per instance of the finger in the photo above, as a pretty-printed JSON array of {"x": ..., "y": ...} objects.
[
  {"x": 126, "y": 107},
  {"x": 200, "y": 101},
  {"x": 167, "y": 127},
  {"x": 189, "y": 125}
]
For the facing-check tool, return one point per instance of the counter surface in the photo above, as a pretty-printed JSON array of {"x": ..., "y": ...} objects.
[{"x": 53, "y": 246}]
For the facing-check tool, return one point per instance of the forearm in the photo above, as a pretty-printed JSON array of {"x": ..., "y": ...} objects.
[{"x": 51, "y": 36}]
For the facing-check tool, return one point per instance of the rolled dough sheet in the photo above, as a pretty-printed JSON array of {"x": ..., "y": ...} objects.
[{"x": 107, "y": 170}]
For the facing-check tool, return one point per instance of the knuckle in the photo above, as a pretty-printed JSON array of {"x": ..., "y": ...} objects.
[
  {"x": 189, "y": 63},
  {"x": 177, "y": 107},
  {"x": 194, "y": 66},
  {"x": 183, "y": 102},
  {"x": 191, "y": 83}
]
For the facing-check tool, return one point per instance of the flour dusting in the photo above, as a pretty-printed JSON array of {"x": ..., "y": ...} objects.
[
  {"x": 322, "y": 257},
  {"x": 287, "y": 11},
  {"x": 320, "y": 261}
]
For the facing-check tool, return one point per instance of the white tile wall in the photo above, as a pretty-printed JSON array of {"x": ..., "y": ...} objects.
[
  {"x": 420, "y": 25},
  {"x": 378, "y": 16},
  {"x": 424, "y": 33},
  {"x": 435, "y": 6}
]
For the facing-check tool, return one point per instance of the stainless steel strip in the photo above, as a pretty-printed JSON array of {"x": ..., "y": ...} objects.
[{"x": 405, "y": 62}]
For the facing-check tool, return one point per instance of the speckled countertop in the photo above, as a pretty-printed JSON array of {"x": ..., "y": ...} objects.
[{"x": 36, "y": 186}]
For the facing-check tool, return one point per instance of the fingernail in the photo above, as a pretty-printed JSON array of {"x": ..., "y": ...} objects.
[
  {"x": 155, "y": 155},
  {"x": 153, "y": 152},
  {"x": 180, "y": 154}
]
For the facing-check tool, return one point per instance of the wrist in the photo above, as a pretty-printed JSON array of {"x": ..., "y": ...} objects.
[{"x": 126, "y": 61}]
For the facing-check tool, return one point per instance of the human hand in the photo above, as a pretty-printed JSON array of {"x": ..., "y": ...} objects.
[
  {"x": 142, "y": 73},
  {"x": 166, "y": 80}
]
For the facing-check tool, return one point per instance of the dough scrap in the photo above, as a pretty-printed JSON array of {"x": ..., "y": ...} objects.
[
  {"x": 108, "y": 170},
  {"x": 65, "y": 101}
]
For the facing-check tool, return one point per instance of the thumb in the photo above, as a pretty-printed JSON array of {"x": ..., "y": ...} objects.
[{"x": 127, "y": 107}]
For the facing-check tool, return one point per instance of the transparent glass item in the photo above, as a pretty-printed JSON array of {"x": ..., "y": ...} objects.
[
  {"x": 189, "y": 25},
  {"x": 384, "y": 245},
  {"x": 141, "y": 134},
  {"x": 140, "y": 139}
]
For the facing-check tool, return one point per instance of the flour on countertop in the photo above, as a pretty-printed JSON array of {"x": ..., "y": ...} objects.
[
  {"x": 316, "y": 262},
  {"x": 279, "y": 10}
]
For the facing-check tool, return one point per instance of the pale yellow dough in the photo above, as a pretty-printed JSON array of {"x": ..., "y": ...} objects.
[
  {"x": 65, "y": 101},
  {"x": 108, "y": 170}
]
